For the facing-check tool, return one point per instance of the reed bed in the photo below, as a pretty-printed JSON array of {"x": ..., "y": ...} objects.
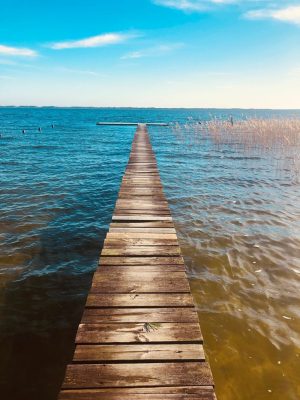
[{"x": 276, "y": 138}]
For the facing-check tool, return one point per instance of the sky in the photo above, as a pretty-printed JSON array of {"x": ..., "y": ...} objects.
[{"x": 150, "y": 53}]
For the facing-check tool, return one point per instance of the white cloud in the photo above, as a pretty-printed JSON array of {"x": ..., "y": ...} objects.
[
  {"x": 79, "y": 71},
  {"x": 288, "y": 14},
  {"x": 16, "y": 51},
  {"x": 153, "y": 51},
  {"x": 94, "y": 41},
  {"x": 192, "y": 5}
]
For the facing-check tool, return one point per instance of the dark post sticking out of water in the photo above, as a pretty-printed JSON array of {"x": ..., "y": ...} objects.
[{"x": 139, "y": 337}]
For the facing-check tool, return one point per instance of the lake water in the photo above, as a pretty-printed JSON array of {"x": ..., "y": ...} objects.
[{"x": 237, "y": 216}]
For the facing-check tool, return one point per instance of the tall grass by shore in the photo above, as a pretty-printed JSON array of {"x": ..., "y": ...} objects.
[{"x": 278, "y": 138}]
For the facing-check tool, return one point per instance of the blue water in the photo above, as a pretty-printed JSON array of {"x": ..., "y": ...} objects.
[{"x": 234, "y": 212}]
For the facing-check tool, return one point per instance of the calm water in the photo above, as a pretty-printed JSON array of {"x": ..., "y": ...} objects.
[{"x": 236, "y": 214}]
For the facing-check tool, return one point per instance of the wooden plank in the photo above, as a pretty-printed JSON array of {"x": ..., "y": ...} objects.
[
  {"x": 143, "y": 374},
  {"x": 137, "y": 235},
  {"x": 142, "y": 170},
  {"x": 141, "y": 260},
  {"x": 146, "y": 208},
  {"x": 135, "y": 332},
  {"x": 136, "y": 179},
  {"x": 140, "y": 300},
  {"x": 140, "y": 191},
  {"x": 141, "y": 251},
  {"x": 143, "y": 230},
  {"x": 139, "y": 242},
  {"x": 139, "y": 352},
  {"x": 150, "y": 224},
  {"x": 140, "y": 184},
  {"x": 154, "y": 393},
  {"x": 141, "y": 218},
  {"x": 142, "y": 315},
  {"x": 143, "y": 282},
  {"x": 147, "y": 196},
  {"x": 137, "y": 212},
  {"x": 142, "y": 202},
  {"x": 115, "y": 269}
]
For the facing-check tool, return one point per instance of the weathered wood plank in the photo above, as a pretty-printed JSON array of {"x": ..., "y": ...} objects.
[
  {"x": 143, "y": 282},
  {"x": 141, "y": 260},
  {"x": 143, "y": 230},
  {"x": 135, "y": 332},
  {"x": 128, "y": 185},
  {"x": 145, "y": 178},
  {"x": 114, "y": 235},
  {"x": 142, "y": 191},
  {"x": 140, "y": 352},
  {"x": 143, "y": 374},
  {"x": 191, "y": 389},
  {"x": 140, "y": 212},
  {"x": 115, "y": 269},
  {"x": 139, "y": 242},
  {"x": 150, "y": 224},
  {"x": 141, "y": 218},
  {"x": 128, "y": 195},
  {"x": 146, "y": 208},
  {"x": 154, "y": 393},
  {"x": 142, "y": 204},
  {"x": 142, "y": 315},
  {"x": 140, "y": 300},
  {"x": 141, "y": 251}
]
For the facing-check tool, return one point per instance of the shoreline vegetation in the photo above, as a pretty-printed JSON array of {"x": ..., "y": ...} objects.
[{"x": 276, "y": 137}]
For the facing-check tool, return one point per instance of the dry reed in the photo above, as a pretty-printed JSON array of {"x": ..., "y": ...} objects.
[{"x": 278, "y": 138}]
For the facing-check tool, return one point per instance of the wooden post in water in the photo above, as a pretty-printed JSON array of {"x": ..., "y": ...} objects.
[{"x": 139, "y": 337}]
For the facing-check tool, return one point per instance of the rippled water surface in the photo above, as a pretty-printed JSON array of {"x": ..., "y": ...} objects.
[{"x": 237, "y": 215}]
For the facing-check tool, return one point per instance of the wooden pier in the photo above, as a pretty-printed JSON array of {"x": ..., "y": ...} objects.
[{"x": 139, "y": 337}]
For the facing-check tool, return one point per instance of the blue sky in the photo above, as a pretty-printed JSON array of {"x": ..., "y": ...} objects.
[{"x": 162, "y": 53}]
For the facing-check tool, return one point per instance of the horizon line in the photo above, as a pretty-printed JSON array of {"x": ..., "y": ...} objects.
[{"x": 155, "y": 107}]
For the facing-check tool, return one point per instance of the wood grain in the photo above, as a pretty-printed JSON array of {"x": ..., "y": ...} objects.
[
  {"x": 139, "y": 352},
  {"x": 150, "y": 393},
  {"x": 142, "y": 374},
  {"x": 135, "y": 332},
  {"x": 139, "y": 300},
  {"x": 141, "y": 315}
]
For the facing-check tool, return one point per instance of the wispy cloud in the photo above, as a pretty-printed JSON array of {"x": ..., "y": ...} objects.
[
  {"x": 17, "y": 51},
  {"x": 155, "y": 51},
  {"x": 288, "y": 14},
  {"x": 93, "y": 41},
  {"x": 79, "y": 71},
  {"x": 192, "y": 5}
]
